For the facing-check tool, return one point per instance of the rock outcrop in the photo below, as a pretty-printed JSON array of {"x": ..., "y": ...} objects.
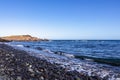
[
  {"x": 3, "y": 40},
  {"x": 21, "y": 38}
]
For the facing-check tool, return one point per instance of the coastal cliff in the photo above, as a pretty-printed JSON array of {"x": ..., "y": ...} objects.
[{"x": 22, "y": 38}]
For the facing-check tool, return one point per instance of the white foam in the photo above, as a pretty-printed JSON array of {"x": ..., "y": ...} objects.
[
  {"x": 47, "y": 50},
  {"x": 20, "y": 45},
  {"x": 69, "y": 55},
  {"x": 118, "y": 79},
  {"x": 88, "y": 59}
]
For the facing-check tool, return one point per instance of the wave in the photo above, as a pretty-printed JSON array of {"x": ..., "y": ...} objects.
[
  {"x": 55, "y": 52},
  {"x": 47, "y": 50},
  {"x": 110, "y": 61},
  {"x": 20, "y": 45},
  {"x": 42, "y": 49},
  {"x": 39, "y": 48},
  {"x": 64, "y": 54}
]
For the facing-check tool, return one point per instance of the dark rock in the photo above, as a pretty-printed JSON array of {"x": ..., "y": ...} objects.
[
  {"x": 27, "y": 46},
  {"x": 39, "y": 48}
]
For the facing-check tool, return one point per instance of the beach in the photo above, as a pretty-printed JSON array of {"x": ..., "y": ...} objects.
[
  {"x": 19, "y": 65},
  {"x": 60, "y": 40}
]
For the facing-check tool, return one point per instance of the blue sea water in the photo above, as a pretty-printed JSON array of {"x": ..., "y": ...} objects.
[{"x": 101, "y": 51}]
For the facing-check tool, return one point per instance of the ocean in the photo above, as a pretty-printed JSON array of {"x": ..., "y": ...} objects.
[
  {"x": 89, "y": 57},
  {"x": 100, "y": 51}
]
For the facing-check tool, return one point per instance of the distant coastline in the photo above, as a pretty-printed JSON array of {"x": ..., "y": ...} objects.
[
  {"x": 21, "y": 38},
  {"x": 3, "y": 40}
]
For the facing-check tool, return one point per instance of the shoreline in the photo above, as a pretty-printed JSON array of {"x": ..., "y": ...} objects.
[
  {"x": 18, "y": 65},
  {"x": 108, "y": 59},
  {"x": 31, "y": 63}
]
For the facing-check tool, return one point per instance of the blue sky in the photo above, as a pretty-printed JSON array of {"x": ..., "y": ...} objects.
[{"x": 61, "y": 19}]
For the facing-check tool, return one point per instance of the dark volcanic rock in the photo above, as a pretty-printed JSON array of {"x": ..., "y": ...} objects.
[{"x": 19, "y": 65}]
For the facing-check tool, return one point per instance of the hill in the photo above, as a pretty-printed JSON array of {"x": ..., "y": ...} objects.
[
  {"x": 22, "y": 38},
  {"x": 3, "y": 40}
]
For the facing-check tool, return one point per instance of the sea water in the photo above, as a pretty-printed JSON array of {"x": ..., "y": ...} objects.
[
  {"x": 101, "y": 51},
  {"x": 92, "y": 57}
]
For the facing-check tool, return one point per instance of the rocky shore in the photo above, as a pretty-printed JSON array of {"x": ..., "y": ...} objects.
[{"x": 19, "y": 65}]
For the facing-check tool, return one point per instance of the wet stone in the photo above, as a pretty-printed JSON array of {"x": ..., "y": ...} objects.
[{"x": 19, "y": 65}]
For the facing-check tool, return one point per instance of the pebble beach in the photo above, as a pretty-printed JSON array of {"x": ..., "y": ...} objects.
[{"x": 19, "y": 65}]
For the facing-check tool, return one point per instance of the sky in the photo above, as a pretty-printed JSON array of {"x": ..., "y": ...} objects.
[{"x": 61, "y": 19}]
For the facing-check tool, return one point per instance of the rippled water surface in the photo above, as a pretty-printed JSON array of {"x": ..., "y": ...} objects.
[{"x": 106, "y": 50}]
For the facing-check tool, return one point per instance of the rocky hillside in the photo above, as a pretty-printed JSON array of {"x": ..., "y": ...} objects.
[
  {"x": 21, "y": 38},
  {"x": 2, "y": 40}
]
